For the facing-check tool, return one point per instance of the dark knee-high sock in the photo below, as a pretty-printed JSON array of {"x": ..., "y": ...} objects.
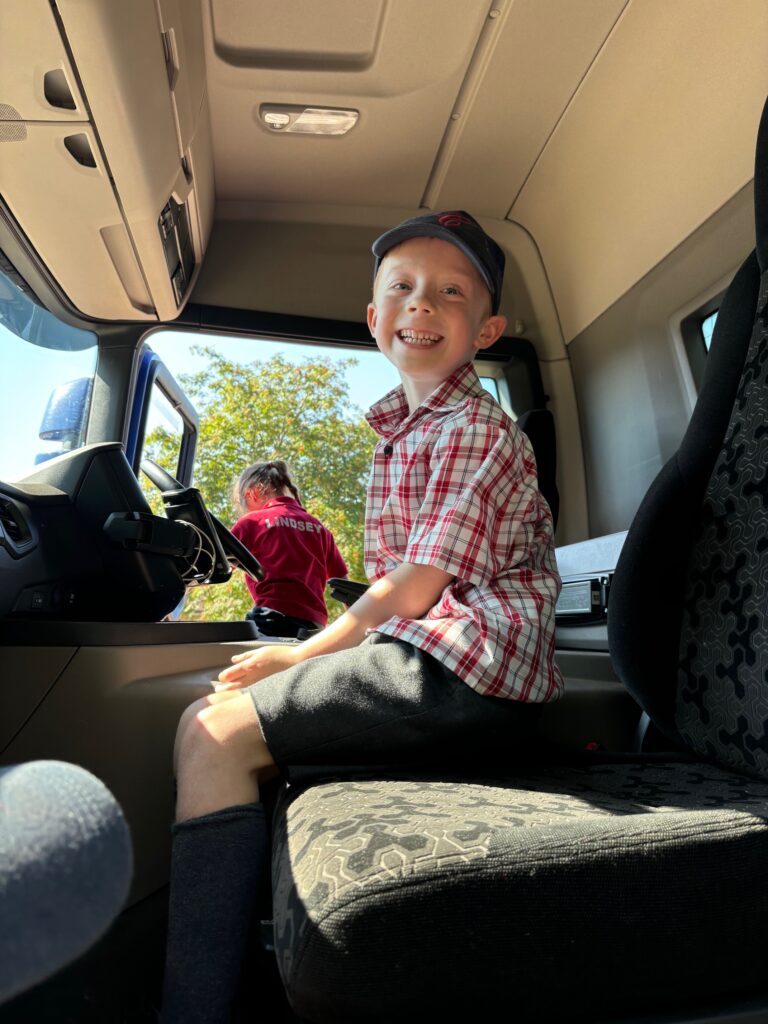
[{"x": 217, "y": 862}]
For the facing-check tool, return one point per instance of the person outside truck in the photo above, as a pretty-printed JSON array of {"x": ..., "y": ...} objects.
[{"x": 297, "y": 552}]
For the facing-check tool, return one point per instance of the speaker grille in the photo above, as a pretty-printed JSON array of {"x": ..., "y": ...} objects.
[
  {"x": 12, "y": 131},
  {"x": 12, "y": 128}
]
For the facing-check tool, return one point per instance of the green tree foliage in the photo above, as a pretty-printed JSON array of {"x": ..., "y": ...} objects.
[{"x": 300, "y": 412}]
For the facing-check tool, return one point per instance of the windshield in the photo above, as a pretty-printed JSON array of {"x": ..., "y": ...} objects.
[{"x": 45, "y": 384}]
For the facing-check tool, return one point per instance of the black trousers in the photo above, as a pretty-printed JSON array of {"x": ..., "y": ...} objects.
[{"x": 272, "y": 623}]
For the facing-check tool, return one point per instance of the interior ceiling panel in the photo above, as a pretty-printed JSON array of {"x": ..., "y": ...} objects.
[
  {"x": 336, "y": 35},
  {"x": 545, "y": 48},
  {"x": 658, "y": 136},
  {"x": 47, "y": 91},
  {"x": 609, "y": 130},
  {"x": 405, "y": 91}
]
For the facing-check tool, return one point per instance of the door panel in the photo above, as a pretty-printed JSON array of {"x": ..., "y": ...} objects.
[
  {"x": 595, "y": 707},
  {"x": 114, "y": 710},
  {"x": 27, "y": 674}
]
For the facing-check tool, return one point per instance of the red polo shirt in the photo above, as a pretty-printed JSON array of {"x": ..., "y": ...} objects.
[{"x": 299, "y": 556}]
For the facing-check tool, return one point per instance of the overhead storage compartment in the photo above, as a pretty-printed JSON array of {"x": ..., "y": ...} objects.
[
  {"x": 182, "y": 30},
  {"x": 118, "y": 198},
  {"x": 43, "y": 87},
  {"x": 57, "y": 188}
]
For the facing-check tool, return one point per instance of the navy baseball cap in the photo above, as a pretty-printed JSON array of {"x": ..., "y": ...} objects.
[{"x": 461, "y": 230}]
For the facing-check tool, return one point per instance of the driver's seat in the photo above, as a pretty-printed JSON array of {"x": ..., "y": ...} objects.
[{"x": 587, "y": 891}]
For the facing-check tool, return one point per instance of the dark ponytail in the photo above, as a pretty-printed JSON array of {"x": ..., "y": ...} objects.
[{"x": 265, "y": 476}]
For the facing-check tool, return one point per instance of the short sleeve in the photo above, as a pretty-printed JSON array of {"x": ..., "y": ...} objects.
[
  {"x": 247, "y": 531},
  {"x": 335, "y": 564},
  {"x": 480, "y": 506},
  {"x": 239, "y": 530}
]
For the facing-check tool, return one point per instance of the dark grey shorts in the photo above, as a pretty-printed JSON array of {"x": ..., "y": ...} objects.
[{"x": 385, "y": 703}]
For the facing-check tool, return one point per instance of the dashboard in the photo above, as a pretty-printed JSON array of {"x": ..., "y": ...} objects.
[{"x": 79, "y": 542}]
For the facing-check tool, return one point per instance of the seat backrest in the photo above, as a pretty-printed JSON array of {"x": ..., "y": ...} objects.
[
  {"x": 539, "y": 425},
  {"x": 688, "y": 613}
]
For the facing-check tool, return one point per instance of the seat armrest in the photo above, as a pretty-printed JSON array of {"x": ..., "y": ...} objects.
[{"x": 346, "y": 591}]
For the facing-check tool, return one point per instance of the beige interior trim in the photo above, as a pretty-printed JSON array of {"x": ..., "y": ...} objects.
[
  {"x": 490, "y": 34},
  {"x": 405, "y": 94},
  {"x": 183, "y": 29},
  {"x": 30, "y": 48},
  {"x": 144, "y": 137},
  {"x": 676, "y": 318},
  {"x": 68, "y": 212},
  {"x": 337, "y": 35},
  {"x": 542, "y": 52},
  {"x": 119, "y": 53},
  {"x": 114, "y": 710},
  {"x": 38, "y": 667},
  {"x": 608, "y": 130},
  {"x": 199, "y": 159},
  {"x": 633, "y": 408},
  {"x": 659, "y": 135}
]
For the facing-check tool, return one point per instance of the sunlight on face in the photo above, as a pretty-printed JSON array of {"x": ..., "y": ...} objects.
[{"x": 429, "y": 315}]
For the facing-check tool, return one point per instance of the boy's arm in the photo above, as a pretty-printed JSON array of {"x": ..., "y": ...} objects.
[{"x": 408, "y": 591}]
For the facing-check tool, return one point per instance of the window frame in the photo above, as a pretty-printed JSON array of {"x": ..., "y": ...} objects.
[
  {"x": 153, "y": 372},
  {"x": 514, "y": 360}
]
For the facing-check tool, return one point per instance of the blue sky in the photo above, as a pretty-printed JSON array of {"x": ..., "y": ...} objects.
[
  {"x": 30, "y": 373},
  {"x": 368, "y": 381}
]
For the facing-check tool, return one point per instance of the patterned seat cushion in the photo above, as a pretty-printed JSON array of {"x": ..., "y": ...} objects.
[
  {"x": 722, "y": 698},
  {"x": 396, "y": 899}
]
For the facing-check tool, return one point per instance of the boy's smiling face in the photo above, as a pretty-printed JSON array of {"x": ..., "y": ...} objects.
[{"x": 430, "y": 313}]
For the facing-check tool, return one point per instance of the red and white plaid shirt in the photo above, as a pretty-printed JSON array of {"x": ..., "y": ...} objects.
[{"x": 453, "y": 485}]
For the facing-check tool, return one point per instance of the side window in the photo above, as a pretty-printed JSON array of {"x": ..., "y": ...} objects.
[
  {"x": 261, "y": 397},
  {"x": 163, "y": 427},
  {"x": 164, "y": 432},
  {"x": 696, "y": 330},
  {"x": 491, "y": 386},
  {"x": 707, "y": 329},
  {"x": 45, "y": 386}
]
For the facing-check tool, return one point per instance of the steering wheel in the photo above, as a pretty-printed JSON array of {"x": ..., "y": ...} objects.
[{"x": 186, "y": 504}]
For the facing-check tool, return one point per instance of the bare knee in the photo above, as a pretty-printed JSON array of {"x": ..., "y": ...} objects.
[
  {"x": 220, "y": 754},
  {"x": 222, "y": 732},
  {"x": 195, "y": 743},
  {"x": 189, "y": 714}
]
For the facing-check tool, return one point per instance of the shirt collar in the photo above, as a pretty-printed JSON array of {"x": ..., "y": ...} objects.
[
  {"x": 392, "y": 410},
  {"x": 282, "y": 499}
]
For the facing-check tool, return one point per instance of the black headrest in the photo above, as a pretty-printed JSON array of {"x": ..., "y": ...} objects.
[
  {"x": 539, "y": 426},
  {"x": 761, "y": 192}
]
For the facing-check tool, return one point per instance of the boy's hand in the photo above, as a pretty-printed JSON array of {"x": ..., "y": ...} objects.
[
  {"x": 253, "y": 666},
  {"x": 409, "y": 591}
]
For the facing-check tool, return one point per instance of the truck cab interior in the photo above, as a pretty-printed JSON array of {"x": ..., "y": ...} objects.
[{"x": 219, "y": 168}]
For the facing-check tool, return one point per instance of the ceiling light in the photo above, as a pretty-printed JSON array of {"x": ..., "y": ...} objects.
[
  {"x": 276, "y": 120},
  {"x": 280, "y": 117}
]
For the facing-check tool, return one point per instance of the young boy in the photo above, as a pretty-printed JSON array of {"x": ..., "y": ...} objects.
[{"x": 448, "y": 651}]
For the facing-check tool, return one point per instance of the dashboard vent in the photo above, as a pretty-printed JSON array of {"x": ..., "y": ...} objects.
[{"x": 14, "y": 526}]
